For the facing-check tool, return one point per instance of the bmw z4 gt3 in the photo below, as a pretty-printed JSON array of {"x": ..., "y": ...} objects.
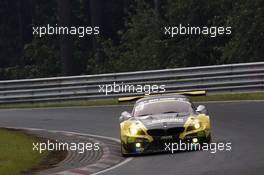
[{"x": 162, "y": 119}]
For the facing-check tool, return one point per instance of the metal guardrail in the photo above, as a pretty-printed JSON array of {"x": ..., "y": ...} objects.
[{"x": 245, "y": 77}]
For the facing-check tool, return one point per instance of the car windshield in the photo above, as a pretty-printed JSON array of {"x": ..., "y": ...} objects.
[{"x": 161, "y": 107}]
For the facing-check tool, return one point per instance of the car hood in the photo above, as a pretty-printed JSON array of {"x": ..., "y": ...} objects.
[{"x": 160, "y": 121}]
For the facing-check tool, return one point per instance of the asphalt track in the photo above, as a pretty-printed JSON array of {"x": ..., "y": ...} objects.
[{"x": 242, "y": 124}]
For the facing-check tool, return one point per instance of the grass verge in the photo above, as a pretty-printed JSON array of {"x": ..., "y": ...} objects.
[
  {"x": 103, "y": 102},
  {"x": 63, "y": 104},
  {"x": 16, "y": 154}
]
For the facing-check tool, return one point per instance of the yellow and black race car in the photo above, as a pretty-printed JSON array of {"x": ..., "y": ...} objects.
[{"x": 160, "y": 119}]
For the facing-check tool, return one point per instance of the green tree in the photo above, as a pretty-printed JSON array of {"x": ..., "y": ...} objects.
[
  {"x": 140, "y": 46},
  {"x": 246, "y": 45}
]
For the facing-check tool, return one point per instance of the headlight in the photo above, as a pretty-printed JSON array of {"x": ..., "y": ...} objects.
[
  {"x": 197, "y": 125},
  {"x": 194, "y": 125}
]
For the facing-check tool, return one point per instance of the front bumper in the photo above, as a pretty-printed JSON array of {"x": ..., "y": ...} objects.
[{"x": 137, "y": 145}]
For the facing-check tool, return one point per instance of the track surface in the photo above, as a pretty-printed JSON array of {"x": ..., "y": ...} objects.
[{"x": 239, "y": 123}]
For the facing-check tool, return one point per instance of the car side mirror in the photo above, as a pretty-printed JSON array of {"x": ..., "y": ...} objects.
[
  {"x": 201, "y": 109},
  {"x": 124, "y": 116}
]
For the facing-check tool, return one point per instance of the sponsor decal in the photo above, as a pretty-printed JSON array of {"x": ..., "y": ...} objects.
[
  {"x": 167, "y": 120},
  {"x": 166, "y": 137}
]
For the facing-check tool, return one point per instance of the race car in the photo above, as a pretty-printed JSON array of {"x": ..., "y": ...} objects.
[{"x": 161, "y": 119}]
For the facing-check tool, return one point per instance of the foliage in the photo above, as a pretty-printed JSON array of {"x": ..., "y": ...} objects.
[
  {"x": 17, "y": 155},
  {"x": 139, "y": 47},
  {"x": 131, "y": 36},
  {"x": 247, "y": 43}
]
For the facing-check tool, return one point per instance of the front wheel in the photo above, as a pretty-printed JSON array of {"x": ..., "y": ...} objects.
[
  {"x": 208, "y": 139},
  {"x": 123, "y": 152}
]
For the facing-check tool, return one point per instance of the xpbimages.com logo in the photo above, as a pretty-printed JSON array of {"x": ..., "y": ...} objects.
[
  {"x": 212, "y": 147},
  {"x": 130, "y": 88},
  {"x": 80, "y": 31},
  {"x": 63, "y": 146},
  {"x": 212, "y": 31}
]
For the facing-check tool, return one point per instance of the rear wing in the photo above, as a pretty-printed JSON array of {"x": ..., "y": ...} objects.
[{"x": 188, "y": 93}]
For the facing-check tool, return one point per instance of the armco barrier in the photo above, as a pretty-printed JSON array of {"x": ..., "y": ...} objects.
[{"x": 244, "y": 77}]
